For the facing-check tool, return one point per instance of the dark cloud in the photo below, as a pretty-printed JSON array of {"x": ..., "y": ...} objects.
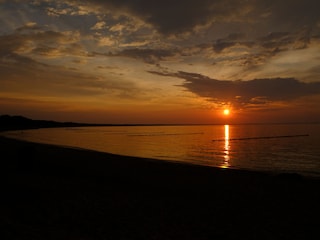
[
  {"x": 292, "y": 14},
  {"x": 151, "y": 56},
  {"x": 171, "y": 17},
  {"x": 31, "y": 26},
  {"x": 284, "y": 40},
  {"x": 148, "y": 55},
  {"x": 179, "y": 16},
  {"x": 273, "y": 41},
  {"x": 167, "y": 16},
  {"x": 240, "y": 93},
  {"x": 256, "y": 52},
  {"x": 231, "y": 40}
]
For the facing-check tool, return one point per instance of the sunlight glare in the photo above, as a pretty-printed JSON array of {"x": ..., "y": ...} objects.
[
  {"x": 226, "y": 112},
  {"x": 226, "y": 147}
]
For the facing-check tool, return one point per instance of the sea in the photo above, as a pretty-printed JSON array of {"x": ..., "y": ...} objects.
[{"x": 280, "y": 148}]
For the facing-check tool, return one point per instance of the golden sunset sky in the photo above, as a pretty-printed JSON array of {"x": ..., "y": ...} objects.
[{"x": 148, "y": 61}]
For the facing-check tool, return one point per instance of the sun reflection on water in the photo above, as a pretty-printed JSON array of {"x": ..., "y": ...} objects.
[{"x": 226, "y": 147}]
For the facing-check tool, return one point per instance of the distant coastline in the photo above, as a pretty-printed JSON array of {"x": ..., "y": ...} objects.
[
  {"x": 11, "y": 123},
  {"x": 17, "y": 122},
  {"x": 8, "y": 123}
]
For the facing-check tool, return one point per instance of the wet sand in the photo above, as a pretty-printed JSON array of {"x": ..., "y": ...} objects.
[{"x": 53, "y": 192}]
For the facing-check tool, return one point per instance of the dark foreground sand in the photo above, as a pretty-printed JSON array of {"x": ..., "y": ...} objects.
[{"x": 59, "y": 193}]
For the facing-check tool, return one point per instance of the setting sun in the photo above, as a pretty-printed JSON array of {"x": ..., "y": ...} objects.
[{"x": 226, "y": 112}]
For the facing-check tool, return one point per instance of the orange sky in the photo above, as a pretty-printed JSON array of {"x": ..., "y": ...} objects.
[{"x": 166, "y": 62}]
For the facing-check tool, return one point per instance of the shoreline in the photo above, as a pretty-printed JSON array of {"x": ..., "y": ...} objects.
[
  {"x": 54, "y": 192},
  {"x": 99, "y": 156},
  {"x": 307, "y": 175}
]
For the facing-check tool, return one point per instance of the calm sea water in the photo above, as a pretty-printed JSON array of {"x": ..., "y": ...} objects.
[{"x": 280, "y": 148}]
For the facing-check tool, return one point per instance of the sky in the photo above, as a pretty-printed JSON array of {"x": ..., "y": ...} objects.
[{"x": 168, "y": 62}]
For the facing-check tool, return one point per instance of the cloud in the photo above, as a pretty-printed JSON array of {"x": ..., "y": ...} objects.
[
  {"x": 271, "y": 43},
  {"x": 61, "y": 9},
  {"x": 99, "y": 25},
  {"x": 292, "y": 13},
  {"x": 26, "y": 65},
  {"x": 259, "y": 57},
  {"x": 245, "y": 93},
  {"x": 171, "y": 17},
  {"x": 107, "y": 41},
  {"x": 28, "y": 26},
  {"x": 151, "y": 56},
  {"x": 166, "y": 16},
  {"x": 60, "y": 51},
  {"x": 180, "y": 16},
  {"x": 36, "y": 40},
  {"x": 27, "y": 76},
  {"x": 278, "y": 41}
]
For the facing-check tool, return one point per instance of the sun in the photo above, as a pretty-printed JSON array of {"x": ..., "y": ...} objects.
[{"x": 226, "y": 112}]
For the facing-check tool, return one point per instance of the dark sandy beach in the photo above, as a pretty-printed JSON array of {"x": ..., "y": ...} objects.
[{"x": 53, "y": 192}]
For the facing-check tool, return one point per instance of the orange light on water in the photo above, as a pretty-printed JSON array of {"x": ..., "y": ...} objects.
[{"x": 226, "y": 147}]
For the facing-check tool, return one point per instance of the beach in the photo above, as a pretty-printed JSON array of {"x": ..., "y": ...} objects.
[{"x": 54, "y": 192}]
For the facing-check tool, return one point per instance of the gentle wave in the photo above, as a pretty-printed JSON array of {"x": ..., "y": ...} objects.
[
  {"x": 161, "y": 134},
  {"x": 263, "y": 137}
]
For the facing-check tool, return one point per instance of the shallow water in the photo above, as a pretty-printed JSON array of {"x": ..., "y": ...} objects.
[{"x": 281, "y": 148}]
